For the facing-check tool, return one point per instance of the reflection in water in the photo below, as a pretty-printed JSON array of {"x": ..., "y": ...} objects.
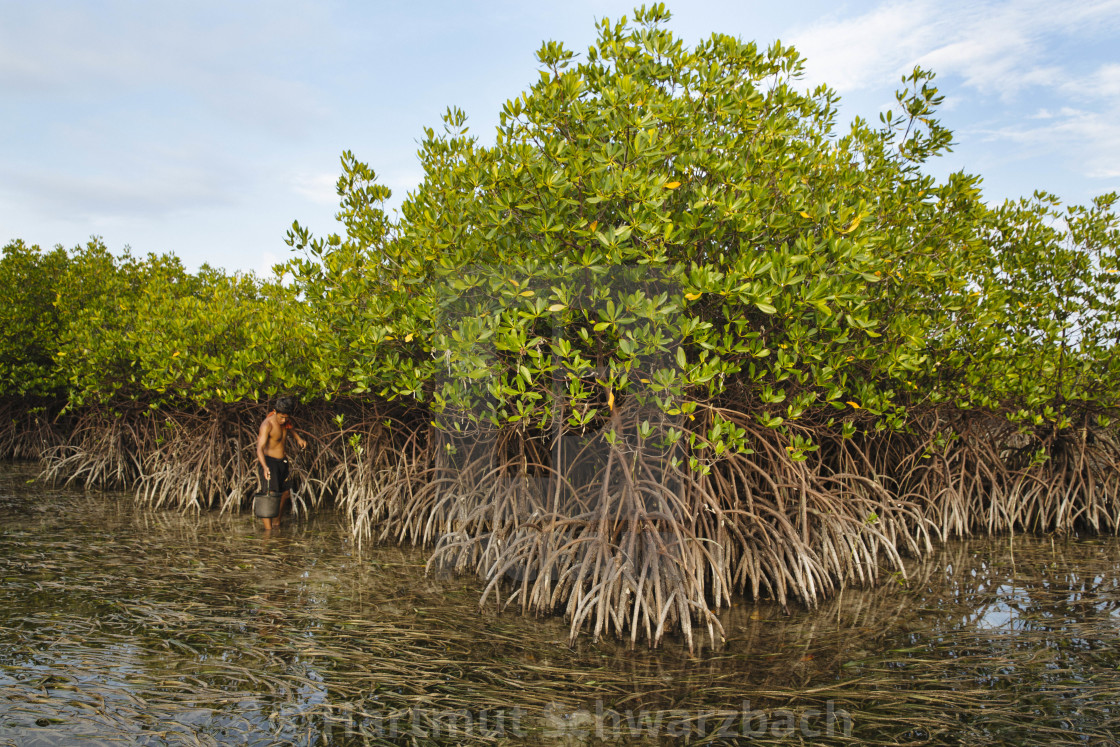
[{"x": 159, "y": 628}]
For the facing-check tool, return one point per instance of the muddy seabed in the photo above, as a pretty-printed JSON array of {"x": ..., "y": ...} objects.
[{"x": 123, "y": 626}]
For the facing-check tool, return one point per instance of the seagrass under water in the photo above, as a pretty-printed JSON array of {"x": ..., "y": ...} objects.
[{"x": 118, "y": 625}]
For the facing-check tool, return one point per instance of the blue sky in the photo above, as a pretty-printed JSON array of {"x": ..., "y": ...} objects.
[{"x": 205, "y": 128}]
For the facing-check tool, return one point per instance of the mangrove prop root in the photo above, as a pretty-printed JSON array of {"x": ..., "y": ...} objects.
[
  {"x": 619, "y": 534},
  {"x": 29, "y": 427}
]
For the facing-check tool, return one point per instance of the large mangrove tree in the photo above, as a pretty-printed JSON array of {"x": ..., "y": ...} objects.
[{"x": 672, "y": 334}]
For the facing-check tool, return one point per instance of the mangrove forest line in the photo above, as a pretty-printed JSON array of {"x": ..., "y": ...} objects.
[{"x": 672, "y": 337}]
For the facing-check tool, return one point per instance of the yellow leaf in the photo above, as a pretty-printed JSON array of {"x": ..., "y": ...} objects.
[
  {"x": 175, "y": 354},
  {"x": 672, "y": 185},
  {"x": 408, "y": 337},
  {"x": 557, "y": 307},
  {"x": 855, "y": 224},
  {"x": 594, "y": 224},
  {"x": 610, "y": 400},
  {"x": 525, "y": 293},
  {"x": 854, "y": 405},
  {"x": 692, "y": 296},
  {"x": 389, "y": 337},
  {"x": 515, "y": 283},
  {"x": 804, "y": 214},
  {"x": 644, "y": 381}
]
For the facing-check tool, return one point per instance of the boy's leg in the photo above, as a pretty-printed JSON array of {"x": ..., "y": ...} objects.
[
  {"x": 285, "y": 488},
  {"x": 284, "y": 498}
]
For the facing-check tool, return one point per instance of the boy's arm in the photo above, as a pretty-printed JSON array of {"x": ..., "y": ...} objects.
[{"x": 262, "y": 439}]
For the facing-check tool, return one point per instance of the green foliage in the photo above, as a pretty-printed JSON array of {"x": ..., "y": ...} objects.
[
  {"x": 232, "y": 339},
  {"x": 357, "y": 312},
  {"x": 99, "y": 296},
  {"x": 30, "y": 323},
  {"x": 89, "y": 327},
  {"x": 148, "y": 330},
  {"x": 1053, "y": 277},
  {"x": 678, "y": 226},
  {"x": 681, "y": 229}
]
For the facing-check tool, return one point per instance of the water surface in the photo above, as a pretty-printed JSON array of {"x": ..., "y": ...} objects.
[{"x": 124, "y": 626}]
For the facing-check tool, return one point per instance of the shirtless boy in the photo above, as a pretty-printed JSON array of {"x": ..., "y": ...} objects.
[{"x": 271, "y": 442}]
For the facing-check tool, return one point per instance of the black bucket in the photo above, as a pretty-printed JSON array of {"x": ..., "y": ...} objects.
[{"x": 266, "y": 505}]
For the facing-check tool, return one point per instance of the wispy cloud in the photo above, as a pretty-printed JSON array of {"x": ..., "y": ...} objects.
[
  {"x": 1015, "y": 59},
  {"x": 1091, "y": 139},
  {"x": 149, "y": 180},
  {"x": 318, "y": 188},
  {"x": 1103, "y": 83},
  {"x": 144, "y": 113},
  {"x": 89, "y": 196},
  {"x": 860, "y": 52},
  {"x": 163, "y": 50},
  {"x": 996, "y": 47}
]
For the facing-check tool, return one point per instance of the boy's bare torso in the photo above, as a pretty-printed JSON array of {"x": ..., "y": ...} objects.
[{"x": 275, "y": 436}]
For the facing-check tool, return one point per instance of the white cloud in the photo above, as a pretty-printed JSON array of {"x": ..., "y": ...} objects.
[
  {"x": 1103, "y": 83},
  {"x": 160, "y": 51},
  {"x": 265, "y": 263},
  {"x": 859, "y": 52},
  {"x": 148, "y": 194},
  {"x": 318, "y": 188},
  {"x": 996, "y": 47},
  {"x": 1091, "y": 139},
  {"x": 1029, "y": 73}
]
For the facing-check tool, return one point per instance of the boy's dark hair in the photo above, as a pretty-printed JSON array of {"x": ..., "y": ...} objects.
[{"x": 285, "y": 405}]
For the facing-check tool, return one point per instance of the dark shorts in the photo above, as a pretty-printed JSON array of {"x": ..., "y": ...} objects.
[{"x": 280, "y": 475}]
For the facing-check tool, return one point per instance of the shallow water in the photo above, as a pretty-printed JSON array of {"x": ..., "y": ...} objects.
[{"x": 123, "y": 626}]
